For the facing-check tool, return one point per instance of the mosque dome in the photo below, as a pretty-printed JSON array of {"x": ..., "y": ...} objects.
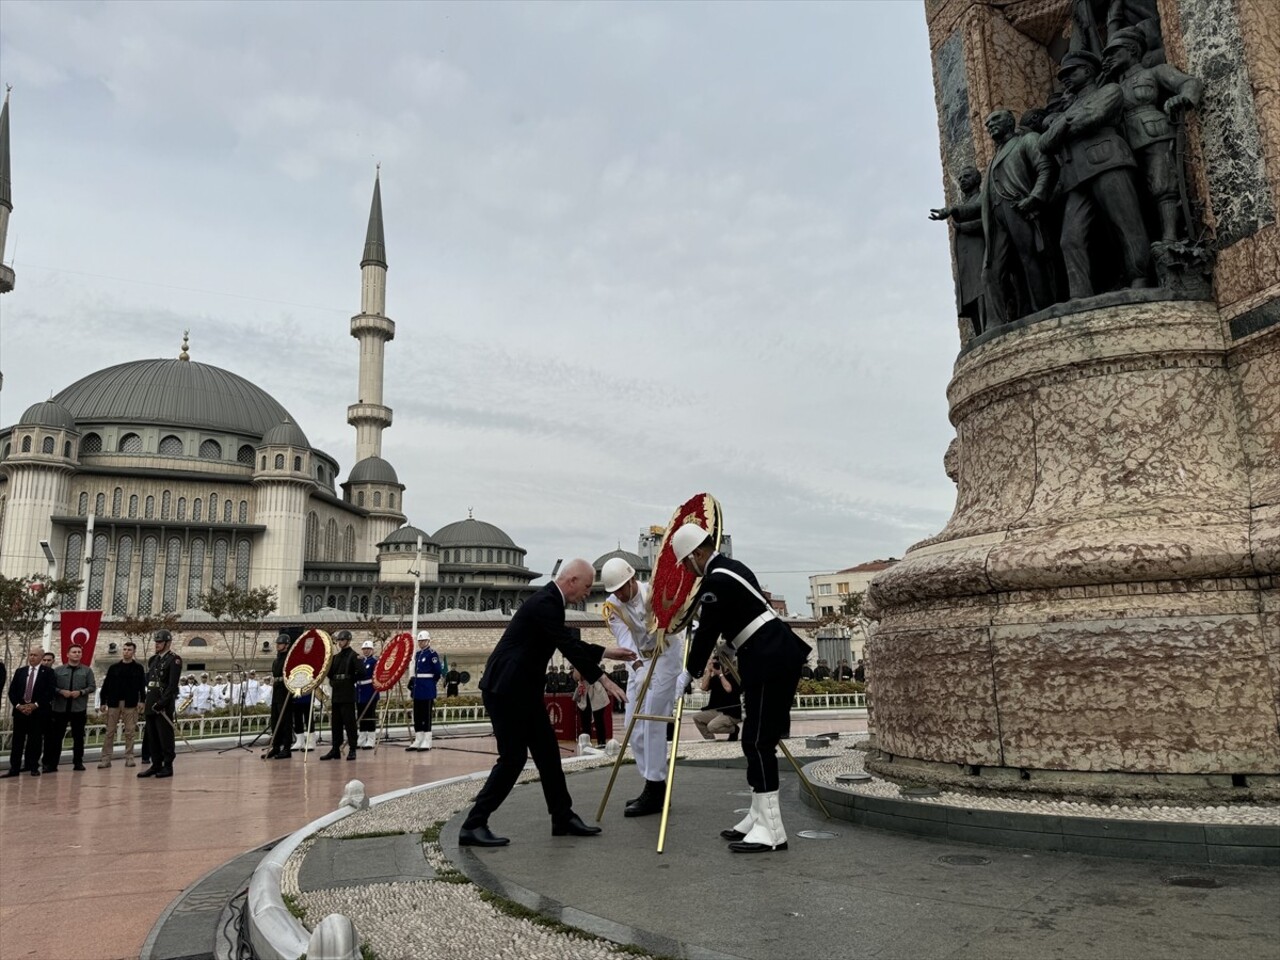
[
  {"x": 175, "y": 393},
  {"x": 637, "y": 562},
  {"x": 373, "y": 470},
  {"x": 409, "y": 534},
  {"x": 473, "y": 533},
  {"x": 285, "y": 434},
  {"x": 48, "y": 413}
]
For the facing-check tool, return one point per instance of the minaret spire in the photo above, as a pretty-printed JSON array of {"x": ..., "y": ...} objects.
[
  {"x": 373, "y": 329},
  {"x": 6, "y": 195}
]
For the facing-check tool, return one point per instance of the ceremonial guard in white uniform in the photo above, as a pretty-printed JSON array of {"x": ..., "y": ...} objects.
[
  {"x": 252, "y": 688},
  {"x": 422, "y": 687},
  {"x": 367, "y": 697},
  {"x": 768, "y": 657},
  {"x": 627, "y": 611},
  {"x": 203, "y": 694},
  {"x": 218, "y": 693}
]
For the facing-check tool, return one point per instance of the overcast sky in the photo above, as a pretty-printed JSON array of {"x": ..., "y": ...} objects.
[{"x": 636, "y": 250}]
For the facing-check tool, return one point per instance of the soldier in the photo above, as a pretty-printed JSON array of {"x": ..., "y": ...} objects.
[
  {"x": 163, "y": 672},
  {"x": 343, "y": 672},
  {"x": 769, "y": 656},
  {"x": 451, "y": 681},
  {"x": 203, "y": 695},
  {"x": 367, "y": 697},
  {"x": 422, "y": 687},
  {"x": 1148, "y": 125},
  {"x": 626, "y": 611},
  {"x": 281, "y": 726}
]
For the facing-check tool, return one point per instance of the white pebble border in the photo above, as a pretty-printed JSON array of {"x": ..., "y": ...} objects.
[{"x": 851, "y": 761}]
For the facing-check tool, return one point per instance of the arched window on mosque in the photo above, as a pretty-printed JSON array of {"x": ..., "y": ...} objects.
[
  {"x": 133, "y": 505},
  {"x": 66, "y": 449},
  {"x": 245, "y": 455},
  {"x": 182, "y": 508},
  {"x": 349, "y": 544},
  {"x": 242, "y": 564},
  {"x": 213, "y": 508},
  {"x": 244, "y": 511},
  {"x": 197, "y": 510},
  {"x": 166, "y": 503},
  {"x": 220, "y": 550},
  {"x": 331, "y": 540},
  {"x": 195, "y": 574},
  {"x": 149, "y": 508},
  {"x": 210, "y": 450},
  {"x": 172, "y": 561},
  {"x": 98, "y": 572},
  {"x": 468, "y": 554},
  {"x": 342, "y": 602},
  {"x": 71, "y": 564},
  {"x": 391, "y": 500},
  {"x": 428, "y": 604},
  {"x": 82, "y": 508},
  {"x": 312, "y": 543},
  {"x": 26, "y": 444},
  {"x": 117, "y": 502},
  {"x": 306, "y": 604},
  {"x": 360, "y": 498},
  {"x": 226, "y": 511},
  {"x": 364, "y": 604},
  {"x": 120, "y": 592},
  {"x": 279, "y": 461},
  {"x": 171, "y": 446},
  {"x": 48, "y": 445},
  {"x": 130, "y": 443},
  {"x": 147, "y": 585},
  {"x": 100, "y": 504},
  {"x": 92, "y": 443},
  {"x": 377, "y": 498},
  {"x": 297, "y": 464}
]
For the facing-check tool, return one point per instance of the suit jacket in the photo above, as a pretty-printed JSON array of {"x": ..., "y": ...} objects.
[
  {"x": 1018, "y": 170},
  {"x": 41, "y": 695},
  {"x": 518, "y": 665},
  {"x": 1093, "y": 143}
]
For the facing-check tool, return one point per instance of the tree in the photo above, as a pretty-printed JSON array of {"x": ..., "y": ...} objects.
[
  {"x": 850, "y": 617},
  {"x": 25, "y": 603},
  {"x": 141, "y": 628},
  {"x": 238, "y": 614}
]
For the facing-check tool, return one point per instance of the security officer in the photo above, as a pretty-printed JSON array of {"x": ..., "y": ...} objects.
[
  {"x": 367, "y": 697},
  {"x": 451, "y": 681},
  {"x": 422, "y": 687},
  {"x": 281, "y": 729},
  {"x": 164, "y": 671},
  {"x": 769, "y": 656},
  {"x": 343, "y": 672}
]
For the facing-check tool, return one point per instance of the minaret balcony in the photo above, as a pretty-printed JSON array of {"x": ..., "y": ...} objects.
[
  {"x": 363, "y": 323},
  {"x": 374, "y": 413},
  {"x": 6, "y": 280}
]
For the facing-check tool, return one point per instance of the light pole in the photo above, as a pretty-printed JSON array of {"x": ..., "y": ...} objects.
[
  {"x": 47, "y": 641},
  {"x": 417, "y": 587}
]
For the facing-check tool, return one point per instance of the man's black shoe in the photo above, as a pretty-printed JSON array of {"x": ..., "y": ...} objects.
[
  {"x": 733, "y": 736},
  {"x": 283, "y": 755},
  {"x": 480, "y": 836},
  {"x": 331, "y": 755},
  {"x": 756, "y": 847},
  {"x": 79, "y": 767},
  {"x": 351, "y": 754},
  {"x": 164, "y": 772},
  {"x": 48, "y": 769},
  {"x": 11, "y": 773},
  {"x": 35, "y": 773},
  {"x": 573, "y": 827},
  {"x": 732, "y": 834},
  {"x": 271, "y": 754},
  {"x": 151, "y": 771}
]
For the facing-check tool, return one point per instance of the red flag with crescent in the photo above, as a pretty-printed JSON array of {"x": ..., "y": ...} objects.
[{"x": 80, "y": 627}]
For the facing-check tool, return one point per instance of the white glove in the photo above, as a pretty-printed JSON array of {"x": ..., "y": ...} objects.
[{"x": 682, "y": 681}]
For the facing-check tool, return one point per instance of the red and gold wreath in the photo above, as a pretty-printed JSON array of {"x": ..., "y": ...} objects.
[
  {"x": 393, "y": 662},
  {"x": 307, "y": 662},
  {"x": 674, "y": 590}
]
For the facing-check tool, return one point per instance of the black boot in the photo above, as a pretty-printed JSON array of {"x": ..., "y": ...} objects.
[
  {"x": 333, "y": 754},
  {"x": 650, "y": 801},
  {"x": 351, "y": 752}
]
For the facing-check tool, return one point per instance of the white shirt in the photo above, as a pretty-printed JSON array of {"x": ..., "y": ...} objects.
[
  {"x": 201, "y": 697},
  {"x": 628, "y": 621}
]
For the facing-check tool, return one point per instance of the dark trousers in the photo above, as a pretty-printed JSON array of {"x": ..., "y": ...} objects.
[
  {"x": 584, "y": 723},
  {"x": 281, "y": 725},
  {"x": 1013, "y": 241},
  {"x": 302, "y": 719},
  {"x": 57, "y": 732},
  {"x": 342, "y": 720},
  {"x": 770, "y": 668},
  {"x": 522, "y": 728},
  {"x": 1113, "y": 194},
  {"x": 28, "y": 739},
  {"x": 159, "y": 736},
  {"x": 422, "y": 715},
  {"x": 367, "y": 713}
]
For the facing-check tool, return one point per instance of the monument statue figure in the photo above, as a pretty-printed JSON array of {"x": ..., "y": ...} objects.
[
  {"x": 1097, "y": 175},
  {"x": 970, "y": 248},
  {"x": 1154, "y": 98}
]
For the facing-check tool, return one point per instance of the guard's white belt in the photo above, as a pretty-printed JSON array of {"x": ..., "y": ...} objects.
[
  {"x": 749, "y": 630},
  {"x": 424, "y": 676},
  {"x": 363, "y": 682}
]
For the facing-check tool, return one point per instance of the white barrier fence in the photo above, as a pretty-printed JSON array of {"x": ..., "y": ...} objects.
[{"x": 401, "y": 718}]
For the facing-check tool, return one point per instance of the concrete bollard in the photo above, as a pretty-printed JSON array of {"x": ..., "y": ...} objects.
[
  {"x": 353, "y": 796},
  {"x": 334, "y": 938}
]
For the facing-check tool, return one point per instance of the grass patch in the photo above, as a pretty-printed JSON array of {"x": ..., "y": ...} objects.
[
  {"x": 432, "y": 833},
  {"x": 521, "y": 912},
  {"x": 294, "y": 907},
  {"x": 367, "y": 952},
  {"x": 372, "y": 835}
]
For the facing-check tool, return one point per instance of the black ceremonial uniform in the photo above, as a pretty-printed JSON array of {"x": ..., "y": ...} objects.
[
  {"x": 281, "y": 730},
  {"x": 768, "y": 654},
  {"x": 344, "y": 670},
  {"x": 164, "y": 670}
]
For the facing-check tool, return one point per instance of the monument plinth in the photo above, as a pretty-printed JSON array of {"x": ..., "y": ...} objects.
[{"x": 1101, "y": 615}]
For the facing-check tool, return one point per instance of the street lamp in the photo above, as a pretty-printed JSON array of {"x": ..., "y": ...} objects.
[{"x": 47, "y": 641}]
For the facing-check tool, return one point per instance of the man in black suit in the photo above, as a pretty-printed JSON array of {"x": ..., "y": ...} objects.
[
  {"x": 31, "y": 694},
  {"x": 769, "y": 656},
  {"x": 512, "y": 688}
]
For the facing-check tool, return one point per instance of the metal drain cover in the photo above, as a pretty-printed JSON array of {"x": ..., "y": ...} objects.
[
  {"x": 1191, "y": 880},
  {"x": 920, "y": 791},
  {"x": 964, "y": 860},
  {"x": 817, "y": 834},
  {"x": 853, "y": 777}
]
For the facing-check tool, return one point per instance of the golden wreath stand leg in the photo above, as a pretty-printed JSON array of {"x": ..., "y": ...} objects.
[
  {"x": 675, "y": 747},
  {"x": 626, "y": 737},
  {"x": 729, "y": 665}
]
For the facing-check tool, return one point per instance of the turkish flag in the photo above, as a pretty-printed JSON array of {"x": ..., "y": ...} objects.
[{"x": 80, "y": 626}]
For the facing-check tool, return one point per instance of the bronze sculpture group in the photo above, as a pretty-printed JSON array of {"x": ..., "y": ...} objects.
[{"x": 1077, "y": 190}]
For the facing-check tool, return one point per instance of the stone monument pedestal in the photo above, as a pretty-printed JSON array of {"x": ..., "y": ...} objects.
[{"x": 1101, "y": 616}]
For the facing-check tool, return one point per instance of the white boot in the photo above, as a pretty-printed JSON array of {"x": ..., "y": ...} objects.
[
  {"x": 768, "y": 833},
  {"x": 743, "y": 827},
  {"x": 426, "y": 741},
  {"x": 417, "y": 741},
  {"x": 311, "y": 741},
  {"x": 297, "y": 742}
]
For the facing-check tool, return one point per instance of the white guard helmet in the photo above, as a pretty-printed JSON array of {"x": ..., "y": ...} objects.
[
  {"x": 615, "y": 573},
  {"x": 686, "y": 540},
  {"x": 424, "y": 634}
]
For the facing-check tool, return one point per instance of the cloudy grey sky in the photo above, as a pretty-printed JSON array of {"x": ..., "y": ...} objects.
[{"x": 636, "y": 250}]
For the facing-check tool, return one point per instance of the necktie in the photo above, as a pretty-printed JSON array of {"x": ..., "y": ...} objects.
[{"x": 31, "y": 683}]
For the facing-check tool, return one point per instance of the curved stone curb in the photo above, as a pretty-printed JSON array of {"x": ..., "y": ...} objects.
[
  {"x": 1247, "y": 844},
  {"x": 274, "y": 932}
]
